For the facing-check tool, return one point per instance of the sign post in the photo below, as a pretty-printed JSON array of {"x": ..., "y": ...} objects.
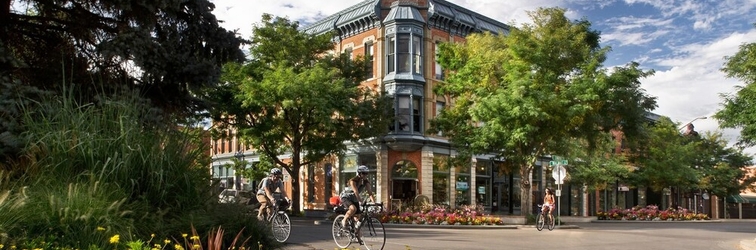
[{"x": 559, "y": 172}]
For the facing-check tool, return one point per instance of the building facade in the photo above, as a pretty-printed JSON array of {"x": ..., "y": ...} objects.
[{"x": 401, "y": 38}]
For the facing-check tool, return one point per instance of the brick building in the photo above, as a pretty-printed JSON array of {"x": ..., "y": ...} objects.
[{"x": 401, "y": 38}]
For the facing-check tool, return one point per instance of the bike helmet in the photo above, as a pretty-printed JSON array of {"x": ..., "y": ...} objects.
[
  {"x": 276, "y": 171},
  {"x": 362, "y": 169}
]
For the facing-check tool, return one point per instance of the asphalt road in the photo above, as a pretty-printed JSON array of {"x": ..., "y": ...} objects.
[{"x": 587, "y": 236}]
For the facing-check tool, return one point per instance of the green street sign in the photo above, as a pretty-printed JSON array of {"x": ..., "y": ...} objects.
[
  {"x": 564, "y": 162},
  {"x": 552, "y": 163}
]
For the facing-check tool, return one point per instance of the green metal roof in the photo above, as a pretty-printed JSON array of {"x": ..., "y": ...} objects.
[{"x": 404, "y": 13}]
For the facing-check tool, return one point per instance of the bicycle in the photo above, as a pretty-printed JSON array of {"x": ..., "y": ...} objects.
[
  {"x": 279, "y": 221},
  {"x": 372, "y": 233},
  {"x": 541, "y": 219}
]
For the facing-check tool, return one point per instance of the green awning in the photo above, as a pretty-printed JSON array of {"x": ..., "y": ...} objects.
[{"x": 736, "y": 198}]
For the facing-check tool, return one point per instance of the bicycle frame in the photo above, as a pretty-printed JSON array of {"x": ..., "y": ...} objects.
[
  {"x": 370, "y": 231},
  {"x": 274, "y": 210}
]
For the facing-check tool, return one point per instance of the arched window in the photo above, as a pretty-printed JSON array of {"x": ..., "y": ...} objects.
[{"x": 404, "y": 169}]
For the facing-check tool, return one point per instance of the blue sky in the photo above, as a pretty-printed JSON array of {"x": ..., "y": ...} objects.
[{"x": 684, "y": 41}]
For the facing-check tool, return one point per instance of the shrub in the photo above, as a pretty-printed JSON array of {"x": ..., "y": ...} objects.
[
  {"x": 440, "y": 215},
  {"x": 650, "y": 212},
  {"x": 91, "y": 171}
]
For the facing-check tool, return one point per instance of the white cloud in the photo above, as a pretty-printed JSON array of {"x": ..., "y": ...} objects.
[{"x": 691, "y": 86}]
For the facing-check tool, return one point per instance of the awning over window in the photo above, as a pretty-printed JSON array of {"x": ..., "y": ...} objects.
[{"x": 736, "y": 198}]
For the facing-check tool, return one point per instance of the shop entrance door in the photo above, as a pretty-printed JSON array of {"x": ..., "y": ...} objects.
[{"x": 404, "y": 190}]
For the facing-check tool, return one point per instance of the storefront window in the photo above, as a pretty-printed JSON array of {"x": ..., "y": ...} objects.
[
  {"x": 462, "y": 185},
  {"x": 441, "y": 179},
  {"x": 483, "y": 182},
  {"x": 349, "y": 165}
]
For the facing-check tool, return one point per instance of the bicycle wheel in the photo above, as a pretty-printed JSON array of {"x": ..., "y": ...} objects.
[
  {"x": 281, "y": 227},
  {"x": 551, "y": 223},
  {"x": 340, "y": 235},
  {"x": 539, "y": 222},
  {"x": 373, "y": 234}
]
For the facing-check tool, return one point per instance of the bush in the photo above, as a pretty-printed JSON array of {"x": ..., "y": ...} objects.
[
  {"x": 91, "y": 172},
  {"x": 650, "y": 213},
  {"x": 440, "y": 215}
]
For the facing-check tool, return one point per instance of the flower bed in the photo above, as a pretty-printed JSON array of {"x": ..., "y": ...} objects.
[
  {"x": 651, "y": 213},
  {"x": 441, "y": 215}
]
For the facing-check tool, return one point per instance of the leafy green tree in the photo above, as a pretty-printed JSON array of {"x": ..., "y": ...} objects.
[
  {"x": 293, "y": 98},
  {"x": 522, "y": 95},
  {"x": 738, "y": 110},
  {"x": 598, "y": 165},
  {"x": 721, "y": 165},
  {"x": 667, "y": 159}
]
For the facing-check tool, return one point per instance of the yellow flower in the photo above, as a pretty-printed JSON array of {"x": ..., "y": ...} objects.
[
  {"x": 114, "y": 239},
  {"x": 195, "y": 237},
  {"x": 177, "y": 247},
  {"x": 152, "y": 235},
  {"x": 100, "y": 229},
  {"x": 167, "y": 241},
  {"x": 184, "y": 235},
  {"x": 196, "y": 246}
]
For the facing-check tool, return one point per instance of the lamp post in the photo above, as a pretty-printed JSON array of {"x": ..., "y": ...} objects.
[
  {"x": 691, "y": 132},
  {"x": 691, "y": 121}
]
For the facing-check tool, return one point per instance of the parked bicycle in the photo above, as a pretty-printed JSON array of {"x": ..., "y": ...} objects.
[
  {"x": 371, "y": 234},
  {"x": 279, "y": 221},
  {"x": 544, "y": 218}
]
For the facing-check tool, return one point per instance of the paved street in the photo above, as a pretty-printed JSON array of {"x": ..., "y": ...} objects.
[{"x": 589, "y": 236}]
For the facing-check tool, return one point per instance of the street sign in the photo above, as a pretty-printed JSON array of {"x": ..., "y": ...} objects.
[
  {"x": 558, "y": 162},
  {"x": 558, "y": 192},
  {"x": 559, "y": 172}
]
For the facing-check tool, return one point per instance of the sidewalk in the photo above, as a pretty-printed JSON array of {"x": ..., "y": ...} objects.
[{"x": 748, "y": 244}]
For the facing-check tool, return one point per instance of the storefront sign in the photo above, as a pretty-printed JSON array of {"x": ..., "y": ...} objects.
[{"x": 462, "y": 186}]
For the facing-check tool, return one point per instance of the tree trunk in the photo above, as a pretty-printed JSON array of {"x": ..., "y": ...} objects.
[
  {"x": 296, "y": 163},
  {"x": 526, "y": 205},
  {"x": 295, "y": 197}
]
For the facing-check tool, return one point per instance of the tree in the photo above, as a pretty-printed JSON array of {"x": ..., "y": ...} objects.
[
  {"x": 596, "y": 166},
  {"x": 169, "y": 50},
  {"x": 294, "y": 98},
  {"x": 520, "y": 96},
  {"x": 667, "y": 159},
  {"x": 738, "y": 110},
  {"x": 720, "y": 165}
]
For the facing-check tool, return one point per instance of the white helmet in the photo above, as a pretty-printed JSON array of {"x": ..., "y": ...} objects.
[{"x": 362, "y": 169}]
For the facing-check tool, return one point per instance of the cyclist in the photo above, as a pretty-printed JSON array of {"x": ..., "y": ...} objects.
[
  {"x": 351, "y": 195},
  {"x": 268, "y": 186},
  {"x": 548, "y": 202}
]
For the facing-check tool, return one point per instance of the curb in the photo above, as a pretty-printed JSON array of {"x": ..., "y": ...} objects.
[
  {"x": 656, "y": 221},
  {"x": 327, "y": 222}
]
